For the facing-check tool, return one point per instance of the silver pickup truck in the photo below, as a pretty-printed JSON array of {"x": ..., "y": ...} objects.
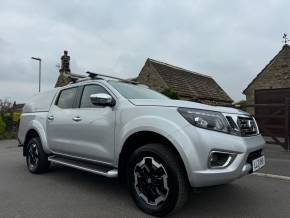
[{"x": 159, "y": 147}]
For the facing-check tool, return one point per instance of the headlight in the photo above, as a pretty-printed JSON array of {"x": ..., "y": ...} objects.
[{"x": 211, "y": 120}]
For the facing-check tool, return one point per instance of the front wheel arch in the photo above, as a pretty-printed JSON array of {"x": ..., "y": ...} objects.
[{"x": 139, "y": 139}]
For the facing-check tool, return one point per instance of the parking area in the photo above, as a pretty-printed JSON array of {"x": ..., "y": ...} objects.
[{"x": 65, "y": 192}]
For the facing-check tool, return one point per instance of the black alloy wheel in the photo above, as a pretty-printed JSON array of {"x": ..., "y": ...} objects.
[
  {"x": 157, "y": 180},
  {"x": 36, "y": 158}
]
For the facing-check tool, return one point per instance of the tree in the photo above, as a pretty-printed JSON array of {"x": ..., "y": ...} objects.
[{"x": 5, "y": 105}]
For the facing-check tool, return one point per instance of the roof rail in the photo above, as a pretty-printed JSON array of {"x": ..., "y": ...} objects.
[
  {"x": 73, "y": 79},
  {"x": 77, "y": 79}
]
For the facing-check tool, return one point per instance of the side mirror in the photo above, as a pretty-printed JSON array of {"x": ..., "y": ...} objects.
[{"x": 102, "y": 99}]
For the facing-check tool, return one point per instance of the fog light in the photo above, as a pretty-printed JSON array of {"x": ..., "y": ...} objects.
[{"x": 220, "y": 159}]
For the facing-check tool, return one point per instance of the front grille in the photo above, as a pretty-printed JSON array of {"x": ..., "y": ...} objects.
[
  {"x": 254, "y": 155},
  {"x": 232, "y": 123},
  {"x": 247, "y": 126}
]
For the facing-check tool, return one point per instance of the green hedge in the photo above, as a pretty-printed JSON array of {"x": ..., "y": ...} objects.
[
  {"x": 2, "y": 126},
  {"x": 6, "y": 133}
]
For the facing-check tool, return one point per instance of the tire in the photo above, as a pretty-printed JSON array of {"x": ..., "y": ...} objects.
[
  {"x": 36, "y": 160},
  {"x": 157, "y": 180}
]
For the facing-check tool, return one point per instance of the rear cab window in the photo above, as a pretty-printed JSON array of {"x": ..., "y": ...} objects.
[{"x": 66, "y": 98}]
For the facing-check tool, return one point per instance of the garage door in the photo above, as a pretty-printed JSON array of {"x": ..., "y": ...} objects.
[{"x": 272, "y": 114}]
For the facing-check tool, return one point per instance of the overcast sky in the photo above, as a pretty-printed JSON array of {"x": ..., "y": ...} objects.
[{"x": 228, "y": 40}]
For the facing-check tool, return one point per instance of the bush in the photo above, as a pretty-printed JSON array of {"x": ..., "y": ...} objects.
[
  {"x": 171, "y": 94},
  {"x": 2, "y": 126}
]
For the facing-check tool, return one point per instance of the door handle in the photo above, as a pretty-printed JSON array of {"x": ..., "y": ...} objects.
[
  {"x": 50, "y": 117},
  {"x": 77, "y": 119}
]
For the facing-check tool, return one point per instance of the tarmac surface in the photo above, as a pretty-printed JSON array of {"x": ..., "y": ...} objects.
[{"x": 65, "y": 192}]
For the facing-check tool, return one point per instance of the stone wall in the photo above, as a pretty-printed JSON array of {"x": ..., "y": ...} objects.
[
  {"x": 62, "y": 80},
  {"x": 151, "y": 78}
]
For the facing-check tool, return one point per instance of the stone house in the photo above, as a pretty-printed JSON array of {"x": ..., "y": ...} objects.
[
  {"x": 187, "y": 84},
  {"x": 274, "y": 77}
]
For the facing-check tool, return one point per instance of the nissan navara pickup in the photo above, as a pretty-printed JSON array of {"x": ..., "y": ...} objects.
[{"x": 158, "y": 146}]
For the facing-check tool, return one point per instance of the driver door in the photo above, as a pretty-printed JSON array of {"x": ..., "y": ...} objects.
[{"x": 96, "y": 127}]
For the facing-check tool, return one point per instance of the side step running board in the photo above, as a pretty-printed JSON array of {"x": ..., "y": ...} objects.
[{"x": 85, "y": 166}]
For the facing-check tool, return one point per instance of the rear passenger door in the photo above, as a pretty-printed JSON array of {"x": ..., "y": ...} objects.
[{"x": 60, "y": 124}]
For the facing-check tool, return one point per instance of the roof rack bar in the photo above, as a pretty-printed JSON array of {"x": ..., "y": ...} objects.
[
  {"x": 92, "y": 75},
  {"x": 95, "y": 75}
]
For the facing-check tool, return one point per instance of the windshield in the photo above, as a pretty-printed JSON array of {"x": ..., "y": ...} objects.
[{"x": 131, "y": 91}]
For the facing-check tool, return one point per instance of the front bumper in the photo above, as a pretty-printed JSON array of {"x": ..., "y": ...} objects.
[
  {"x": 197, "y": 145},
  {"x": 211, "y": 177}
]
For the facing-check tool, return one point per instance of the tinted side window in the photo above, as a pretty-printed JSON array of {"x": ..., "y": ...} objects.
[
  {"x": 66, "y": 98},
  {"x": 88, "y": 91}
]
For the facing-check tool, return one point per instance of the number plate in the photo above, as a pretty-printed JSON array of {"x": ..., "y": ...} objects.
[{"x": 258, "y": 163}]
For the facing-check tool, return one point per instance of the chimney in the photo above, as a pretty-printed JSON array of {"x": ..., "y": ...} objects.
[
  {"x": 65, "y": 59},
  {"x": 64, "y": 71}
]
